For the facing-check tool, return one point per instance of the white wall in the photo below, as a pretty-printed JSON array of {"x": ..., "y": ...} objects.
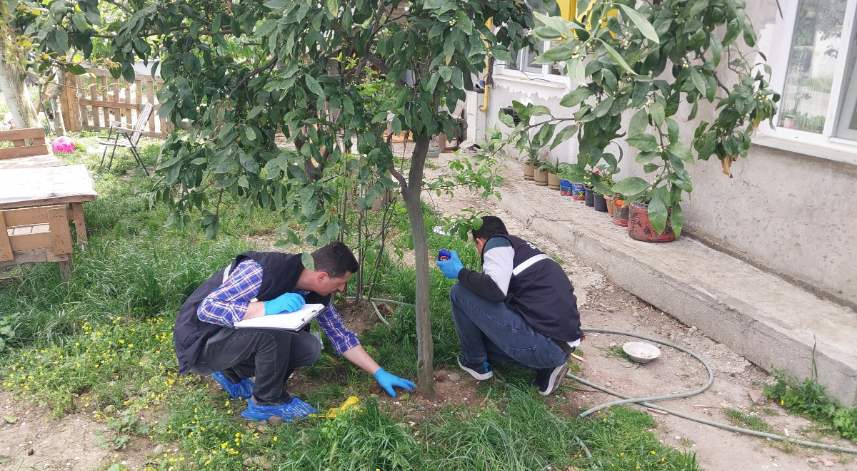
[{"x": 789, "y": 212}]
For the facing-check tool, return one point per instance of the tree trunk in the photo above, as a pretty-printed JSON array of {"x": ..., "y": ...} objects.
[
  {"x": 59, "y": 127},
  {"x": 425, "y": 345},
  {"x": 15, "y": 91}
]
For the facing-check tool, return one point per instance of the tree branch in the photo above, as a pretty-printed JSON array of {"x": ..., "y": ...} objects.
[
  {"x": 253, "y": 73},
  {"x": 398, "y": 176},
  {"x": 123, "y": 7}
]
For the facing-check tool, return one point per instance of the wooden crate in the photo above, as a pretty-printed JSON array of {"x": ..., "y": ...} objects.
[{"x": 37, "y": 234}]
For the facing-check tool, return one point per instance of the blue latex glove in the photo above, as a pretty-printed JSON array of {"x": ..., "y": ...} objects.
[
  {"x": 451, "y": 267},
  {"x": 285, "y": 303},
  {"x": 387, "y": 381}
]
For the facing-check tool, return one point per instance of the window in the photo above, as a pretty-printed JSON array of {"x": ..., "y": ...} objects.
[
  {"x": 816, "y": 71},
  {"x": 524, "y": 61}
]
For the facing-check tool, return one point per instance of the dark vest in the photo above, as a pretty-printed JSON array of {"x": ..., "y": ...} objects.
[
  {"x": 280, "y": 273},
  {"x": 543, "y": 294}
]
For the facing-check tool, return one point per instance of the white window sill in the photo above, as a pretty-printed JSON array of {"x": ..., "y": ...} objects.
[
  {"x": 532, "y": 80},
  {"x": 821, "y": 147}
]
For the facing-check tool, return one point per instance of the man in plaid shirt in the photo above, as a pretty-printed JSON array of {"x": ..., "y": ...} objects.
[{"x": 269, "y": 283}]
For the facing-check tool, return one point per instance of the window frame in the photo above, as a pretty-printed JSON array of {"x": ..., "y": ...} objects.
[
  {"x": 529, "y": 73},
  {"x": 831, "y": 140}
]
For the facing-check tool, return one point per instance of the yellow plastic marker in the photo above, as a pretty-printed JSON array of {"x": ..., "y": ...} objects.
[{"x": 351, "y": 405}]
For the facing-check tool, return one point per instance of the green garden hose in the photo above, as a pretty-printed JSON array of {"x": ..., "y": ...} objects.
[{"x": 645, "y": 401}]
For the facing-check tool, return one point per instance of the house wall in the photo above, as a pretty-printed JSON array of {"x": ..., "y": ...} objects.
[{"x": 785, "y": 209}]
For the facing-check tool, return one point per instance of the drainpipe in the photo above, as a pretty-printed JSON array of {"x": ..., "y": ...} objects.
[{"x": 484, "y": 106}]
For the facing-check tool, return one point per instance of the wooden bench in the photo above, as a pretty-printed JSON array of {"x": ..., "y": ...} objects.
[
  {"x": 24, "y": 155},
  {"x": 38, "y": 234}
]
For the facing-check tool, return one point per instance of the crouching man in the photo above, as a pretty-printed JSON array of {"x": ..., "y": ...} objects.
[
  {"x": 260, "y": 284},
  {"x": 520, "y": 310}
]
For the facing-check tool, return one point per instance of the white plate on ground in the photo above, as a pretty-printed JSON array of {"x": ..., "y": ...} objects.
[{"x": 641, "y": 352}]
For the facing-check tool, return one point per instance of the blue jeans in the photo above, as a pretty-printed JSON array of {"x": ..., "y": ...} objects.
[{"x": 493, "y": 332}]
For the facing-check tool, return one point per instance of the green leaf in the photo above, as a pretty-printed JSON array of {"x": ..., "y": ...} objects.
[
  {"x": 657, "y": 215},
  {"x": 697, "y": 8},
  {"x": 576, "y": 71},
  {"x": 681, "y": 151},
  {"x": 657, "y": 113},
  {"x": 575, "y": 97},
  {"x": 645, "y": 157},
  {"x": 631, "y": 186},
  {"x": 562, "y": 136},
  {"x": 733, "y": 29},
  {"x": 61, "y": 38},
  {"x": 672, "y": 130},
  {"x": 716, "y": 49},
  {"x": 617, "y": 57},
  {"x": 558, "y": 24},
  {"x": 332, "y": 7},
  {"x": 503, "y": 54},
  {"x": 265, "y": 28},
  {"x": 698, "y": 80},
  {"x": 314, "y": 86},
  {"x": 79, "y": 20},
  {"x": 307, "y": 261},
  {"x": 642, "y": 24},
  {"x": 644, "y": 142},
  {"x": 255, "y": 112},
  {"x": 603, "y": 107},
  {"x": 76, "y": 69},
  {"x": 639, "y": 123},
  {"x": 677, "y": 219},
  {"x": 506, "y": 119}
]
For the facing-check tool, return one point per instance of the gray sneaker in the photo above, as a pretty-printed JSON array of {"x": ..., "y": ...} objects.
[
  {"x": 480, "y": 371},
  {"x": 549, "y": 379}
]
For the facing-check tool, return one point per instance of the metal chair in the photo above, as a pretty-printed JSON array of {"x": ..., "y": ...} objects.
[{"x": 125, "y": 137}]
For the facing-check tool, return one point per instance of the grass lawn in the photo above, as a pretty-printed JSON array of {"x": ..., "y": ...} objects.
[{"x": 102, "y": 344}]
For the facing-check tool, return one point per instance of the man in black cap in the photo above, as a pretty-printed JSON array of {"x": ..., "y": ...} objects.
[{"x": 521, "y": 309}]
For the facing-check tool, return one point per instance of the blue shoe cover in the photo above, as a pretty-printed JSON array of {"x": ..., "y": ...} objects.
[
  {"x": 288, "y": 412},
  {"x": 242, "y": 390}
]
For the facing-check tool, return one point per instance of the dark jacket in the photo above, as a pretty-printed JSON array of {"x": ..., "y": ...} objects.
[
  {"x": 280, "y": 273},
  {"x": 541, "y": 293}
]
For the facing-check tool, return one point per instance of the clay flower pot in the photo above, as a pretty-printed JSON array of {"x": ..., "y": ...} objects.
[
  {"x": 540, "y": 177},
  {"x": 609, "y": 201},
  {"x": 528, "y": 171},
  {"x": 620, "y": 214},
  {"x": 640, "y": 228},
  {"x": 553, "y": 181}
]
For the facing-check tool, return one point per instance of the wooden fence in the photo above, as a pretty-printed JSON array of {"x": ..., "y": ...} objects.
[{"x": 96, "y": 99}]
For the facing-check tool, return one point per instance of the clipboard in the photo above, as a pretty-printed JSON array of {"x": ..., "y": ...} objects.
[{"x": 293, "y": 321}]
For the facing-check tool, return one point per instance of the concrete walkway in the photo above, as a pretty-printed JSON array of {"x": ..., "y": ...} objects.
[{"x": 758, "y": 315}]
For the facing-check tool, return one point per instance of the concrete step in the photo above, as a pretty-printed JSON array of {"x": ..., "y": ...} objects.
[{"x": 768, "y": 320}]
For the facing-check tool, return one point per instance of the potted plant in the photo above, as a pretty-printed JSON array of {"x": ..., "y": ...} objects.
[
  {"x": 553, "y": 174},
  {"x": 564, "y": 174},
  {"x": 649, "y": 218},
  {"x": 528, "y": 145},
  {"x": 601, "y": 182},
  {"x": 620, "y": 210}
]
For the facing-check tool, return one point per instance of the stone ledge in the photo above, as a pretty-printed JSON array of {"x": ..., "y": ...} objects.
[{"x": 758, "y": 315}]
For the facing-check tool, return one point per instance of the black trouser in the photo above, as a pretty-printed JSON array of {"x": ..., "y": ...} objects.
[{"x": 268, "y": 354}]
